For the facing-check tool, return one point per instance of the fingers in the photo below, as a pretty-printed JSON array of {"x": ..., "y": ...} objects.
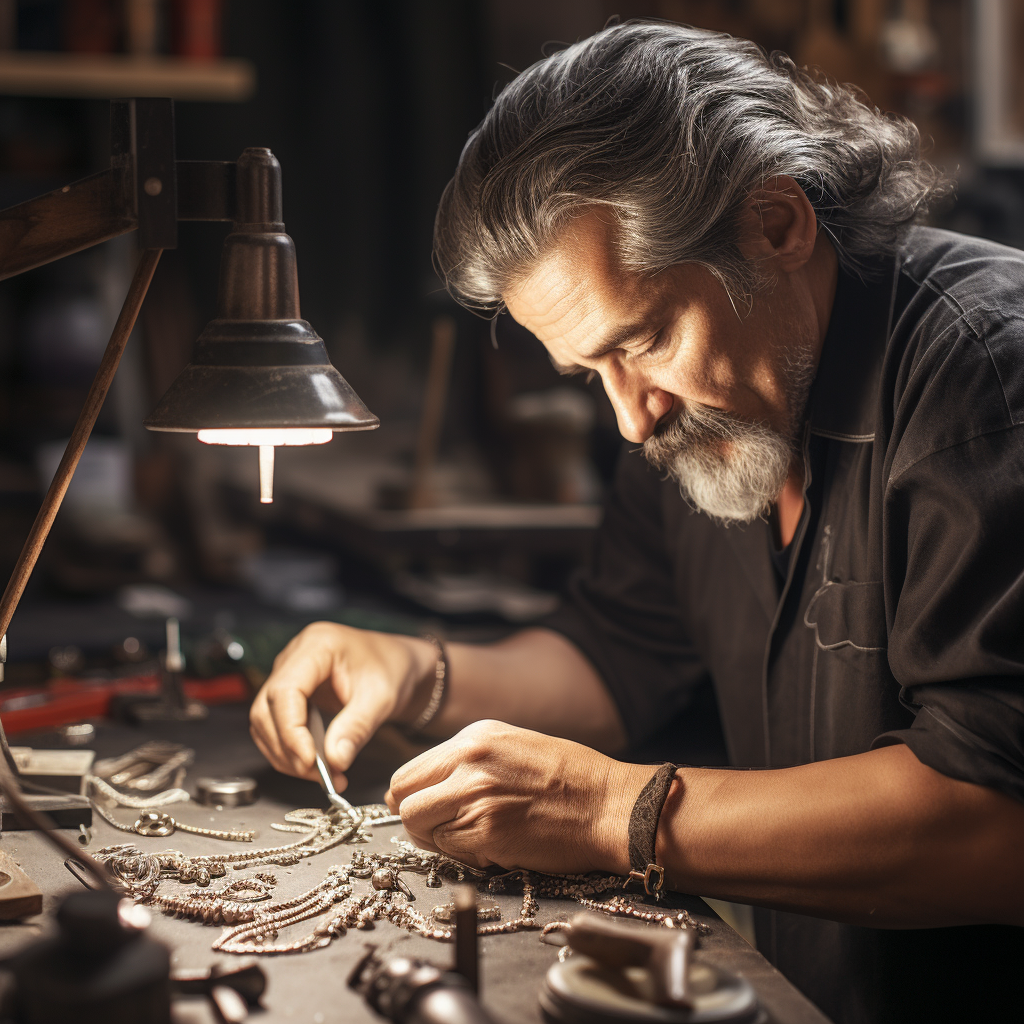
[
  {"x": 264, "y": 733},
  {"x": 447, "y": 795},
  {"x": 278, "y": 716},
  {"x": 277, "y": 723},
  {"x": 353, "y": 726},
  {"x": 470, "y": 746},
  {"x": 424, "y": 770},
  {"x": 445, "y": 818},
  {"x": 470, "y": 844},
  {"x": 426, "y": 810}
]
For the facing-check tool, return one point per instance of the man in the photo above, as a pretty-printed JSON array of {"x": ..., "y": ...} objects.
[{"x": 823, "y": 524}]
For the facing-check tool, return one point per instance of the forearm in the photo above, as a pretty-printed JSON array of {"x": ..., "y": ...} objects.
[
  {"x": 535, "y": 679},
  {"x": 876, "y": 839}
]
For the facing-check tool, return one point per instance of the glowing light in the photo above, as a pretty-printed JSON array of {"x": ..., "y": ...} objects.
[
  {"x": 263, "y": 437},
  {"x": 267, "y": 439},
  {"x": 266, "y": 474}
]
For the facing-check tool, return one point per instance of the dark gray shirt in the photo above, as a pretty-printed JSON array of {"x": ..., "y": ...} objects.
[{"x": 900, "y": 618}]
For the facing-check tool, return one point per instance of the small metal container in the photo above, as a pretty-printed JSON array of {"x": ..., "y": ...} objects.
[{"x": 226, "y": 790}]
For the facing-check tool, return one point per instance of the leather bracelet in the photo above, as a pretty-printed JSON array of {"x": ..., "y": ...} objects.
[
  {"x": 440, "y": 681},
  {"x": 643, "y": 831}
]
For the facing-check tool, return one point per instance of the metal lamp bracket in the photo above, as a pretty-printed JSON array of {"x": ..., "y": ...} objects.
[{"x": 146, "y": 188}]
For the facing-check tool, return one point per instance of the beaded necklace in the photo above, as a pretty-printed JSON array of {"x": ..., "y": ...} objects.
[{"x": 252, "y": 922}]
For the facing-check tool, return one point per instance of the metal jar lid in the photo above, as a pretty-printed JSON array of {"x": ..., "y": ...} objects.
[{"x": 226, "y": 790}]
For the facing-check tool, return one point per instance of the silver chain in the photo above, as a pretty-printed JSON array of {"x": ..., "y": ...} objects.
[
  {"x": 159, "y": 823},
  {"x": 241, "y": 905},
  {"x": 168, "y": 796}
]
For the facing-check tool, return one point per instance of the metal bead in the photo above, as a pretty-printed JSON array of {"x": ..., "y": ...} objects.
[{"x": 382, "y": 878}]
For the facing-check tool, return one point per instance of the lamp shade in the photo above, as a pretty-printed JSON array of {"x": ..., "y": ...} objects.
[
  {"x": 251, "y": 374},
  {"x": 258, "y": 364}
]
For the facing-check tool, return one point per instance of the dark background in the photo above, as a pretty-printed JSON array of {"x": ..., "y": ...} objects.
[{"x": 366, "y": 105}]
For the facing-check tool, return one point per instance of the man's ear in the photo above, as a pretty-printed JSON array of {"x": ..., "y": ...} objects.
[{"x": 778, "y": 224}]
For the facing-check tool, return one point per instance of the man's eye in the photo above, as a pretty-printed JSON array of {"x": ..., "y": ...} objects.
[{"x": 654, "y": 344}]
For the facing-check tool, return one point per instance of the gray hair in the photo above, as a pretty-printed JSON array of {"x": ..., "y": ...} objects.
[{"x": 671, "y": 129}]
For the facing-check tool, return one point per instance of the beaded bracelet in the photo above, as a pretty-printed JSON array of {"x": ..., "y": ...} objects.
[{"x": 440, "y": 680}]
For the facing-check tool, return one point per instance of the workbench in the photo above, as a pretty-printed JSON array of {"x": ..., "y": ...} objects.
[{"x": 311, "y": 987}]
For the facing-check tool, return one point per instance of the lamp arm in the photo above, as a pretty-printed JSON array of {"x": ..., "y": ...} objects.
[
  {"x": 65, "y": 221},
  {"x": 102, "y": 206}
]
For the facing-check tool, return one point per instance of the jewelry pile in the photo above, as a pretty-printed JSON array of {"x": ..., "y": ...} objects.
[
  {"x": 144, "y": 770},
  {"x": 140, "y": 873},
  {"x": 253, "y": 924}
]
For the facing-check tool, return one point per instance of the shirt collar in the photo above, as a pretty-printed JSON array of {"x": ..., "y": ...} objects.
[{"x": 843, "y": 399}]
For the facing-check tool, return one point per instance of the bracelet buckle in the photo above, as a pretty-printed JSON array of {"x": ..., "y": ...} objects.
[{"x": 652, "y": 879}]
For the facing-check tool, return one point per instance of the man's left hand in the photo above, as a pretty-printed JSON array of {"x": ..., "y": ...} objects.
[{"x": 496, "y": 794}]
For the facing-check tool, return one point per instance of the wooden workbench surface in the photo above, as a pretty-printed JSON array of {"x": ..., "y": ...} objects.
[{"x": 312, "y": 986}]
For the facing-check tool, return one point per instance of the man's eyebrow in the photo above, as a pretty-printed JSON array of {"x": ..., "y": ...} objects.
[{"x": 620, "y": 336}]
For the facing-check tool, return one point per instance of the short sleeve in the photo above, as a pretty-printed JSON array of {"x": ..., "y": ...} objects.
[
  {"x": 956, "y": 643},
  {"x": 622, "y": 612}
]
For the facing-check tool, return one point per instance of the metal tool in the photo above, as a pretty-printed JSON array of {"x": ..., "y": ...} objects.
[
  {"x": 626, "y": 973},
  {"x": 665, "y": 952},
  {"x": 416, "y": 992},
  {"x": 315, "y": 725},
  {"x": 101, "y": 965},
  {"x": 233, "y": 990},
  {"x": 226, "y": 790}
]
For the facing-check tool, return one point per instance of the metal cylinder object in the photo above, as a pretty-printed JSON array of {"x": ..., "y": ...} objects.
[{"x": 226, "y": 790}]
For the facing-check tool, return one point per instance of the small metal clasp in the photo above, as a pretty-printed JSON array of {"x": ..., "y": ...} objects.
[
  {"x": 153, "y": 823},
  {"x": 652, "y": 879}
]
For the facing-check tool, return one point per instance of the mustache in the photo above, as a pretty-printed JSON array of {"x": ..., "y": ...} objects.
[
  {"x": 729, "y": 468},
  {"x": 699, "y": 431}
]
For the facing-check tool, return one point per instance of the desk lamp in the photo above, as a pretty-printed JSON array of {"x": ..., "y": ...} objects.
[{"x": 260, "y": 376}]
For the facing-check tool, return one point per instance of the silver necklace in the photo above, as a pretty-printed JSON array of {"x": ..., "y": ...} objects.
[
  {"x": 623, "y": 906},
  {"x": 138, "y": 873},
  {"x": 313, "y": 819},
  {"x": 344, "y": 911},
  {"x": 253, "y": 922},
  {"x": 168, "y": 796},
  {"x": 151, "y": 766},
  {"x": 231, "y": 904},
  {"x": 160, "y": 823}
]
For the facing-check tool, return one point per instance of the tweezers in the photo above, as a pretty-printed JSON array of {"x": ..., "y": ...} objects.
[{"x": 315, "y": 725}]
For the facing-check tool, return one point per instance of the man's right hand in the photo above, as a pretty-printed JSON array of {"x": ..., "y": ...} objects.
[{"x": 359, "y": 678}]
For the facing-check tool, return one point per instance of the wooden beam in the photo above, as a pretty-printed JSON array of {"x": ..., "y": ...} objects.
[
  {"x": 66, "y": 220},
  {"x": 103, "y": 76}
]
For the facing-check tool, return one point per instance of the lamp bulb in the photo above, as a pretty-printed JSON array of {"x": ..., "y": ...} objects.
[
  {"x": 264, "y": 436},
  {"x": 267, "y": 439}
]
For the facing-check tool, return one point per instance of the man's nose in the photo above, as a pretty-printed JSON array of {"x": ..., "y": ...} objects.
[{"x": 638, "y": 404}]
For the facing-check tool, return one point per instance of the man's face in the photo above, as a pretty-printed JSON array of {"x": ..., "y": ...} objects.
[{"x": 715, "y": 398}]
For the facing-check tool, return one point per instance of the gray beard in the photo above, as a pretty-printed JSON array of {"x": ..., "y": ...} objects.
[{"x": 726, "y": 467}]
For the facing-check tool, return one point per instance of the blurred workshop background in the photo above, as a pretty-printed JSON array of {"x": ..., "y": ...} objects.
[{"x": 481, "y": 490}]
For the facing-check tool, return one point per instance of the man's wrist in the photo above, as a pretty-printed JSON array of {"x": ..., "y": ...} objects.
[
  {"x": 625, "y": 782},
  {"x": 420, "y": 680},
  {"x": 664, "y": 852},
  {"x": 644, "y": 866}
]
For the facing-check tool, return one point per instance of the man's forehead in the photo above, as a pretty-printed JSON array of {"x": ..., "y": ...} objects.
[{"x": 576, "y": 289}]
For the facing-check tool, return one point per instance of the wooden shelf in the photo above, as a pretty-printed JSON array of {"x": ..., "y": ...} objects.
[{"x": 31, "y": 73}]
